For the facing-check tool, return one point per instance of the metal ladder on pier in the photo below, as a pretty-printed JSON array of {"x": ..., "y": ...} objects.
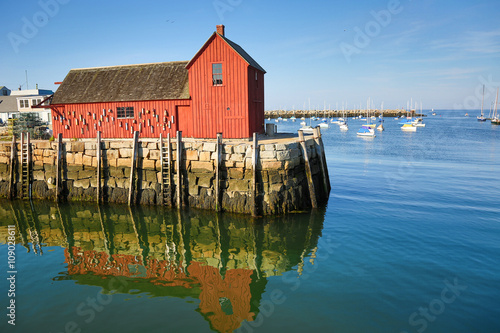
[
  {"x": 25, "y": 166},
  {"x": 166, "y": 171}
]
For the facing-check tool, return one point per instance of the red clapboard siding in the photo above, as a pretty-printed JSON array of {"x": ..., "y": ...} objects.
[
  {"x": 84, "y": 120},
  {"x": 220, "y": 108},
  {"x": 236, "y": 108}
]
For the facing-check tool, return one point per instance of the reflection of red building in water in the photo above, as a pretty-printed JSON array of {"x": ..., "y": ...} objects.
[
  {"x": 222, "y": 260},
  {"x": 225, "y": 302}
]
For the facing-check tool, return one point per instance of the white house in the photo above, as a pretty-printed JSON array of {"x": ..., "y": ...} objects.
[{"x": 13, "y": 102}]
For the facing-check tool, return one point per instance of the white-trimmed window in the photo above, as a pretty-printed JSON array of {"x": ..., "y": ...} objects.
[
  {"x": 217, "y": 74},
  {"x": 125, "y": 112},
  {"x": 24, "y": 103}
]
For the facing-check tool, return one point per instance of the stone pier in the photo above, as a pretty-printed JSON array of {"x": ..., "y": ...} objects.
[{"x": 281, "y": 182}]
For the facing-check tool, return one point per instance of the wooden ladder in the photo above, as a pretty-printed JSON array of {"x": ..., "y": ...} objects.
[
  {"x": 33, "y": 230},
  {"x": 25, "y": 166},
  {"x": 166, "y": 170}
]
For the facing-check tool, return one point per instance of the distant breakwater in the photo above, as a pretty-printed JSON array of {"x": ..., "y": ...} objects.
[{"x": 338, "y": 113}]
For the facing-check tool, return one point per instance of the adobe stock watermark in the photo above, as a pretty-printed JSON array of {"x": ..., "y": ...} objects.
[
  {"x": 31, "y": 26},
  {"x": 88, "y": 309},
  {"x": 291, "y": 283},
  {"x": 420, "y": 319},
  {"x": 474, "y": 101},
  {"x": 372, "y": 29},
  {"x": 223, "y": 6}
]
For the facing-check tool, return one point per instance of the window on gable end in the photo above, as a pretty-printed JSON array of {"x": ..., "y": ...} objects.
[{"x": 217, "y": 74}]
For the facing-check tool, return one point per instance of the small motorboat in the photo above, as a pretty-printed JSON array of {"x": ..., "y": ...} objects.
[{"x": 307, "y": 129}]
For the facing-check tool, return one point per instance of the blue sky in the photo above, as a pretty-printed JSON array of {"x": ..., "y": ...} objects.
[{"x": 316, "y": 53}]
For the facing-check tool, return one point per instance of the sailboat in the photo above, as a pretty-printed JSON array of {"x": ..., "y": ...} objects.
[
  {"x": 343, "y": 121},
  {"x": 409, "y": 120},
  {"x": 495, "y": 120},
  {"x": 408, "y": 128},
  {"x": 481, "y": 117},
  {"x": 324, "y": 123},
  {"x": 307, "y": 128},
  {"x": 381, "y": 120},
  {"x": 293, "y": 118},
  {"x": 367, "y": 129},
  {"x": 419, "y": 122}
]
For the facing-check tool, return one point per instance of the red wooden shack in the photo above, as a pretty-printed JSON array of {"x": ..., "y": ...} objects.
[{"x": 220, "y": 90}]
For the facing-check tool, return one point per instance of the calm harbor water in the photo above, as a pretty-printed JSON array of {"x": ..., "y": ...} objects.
[{"x": 409, "y": 242}]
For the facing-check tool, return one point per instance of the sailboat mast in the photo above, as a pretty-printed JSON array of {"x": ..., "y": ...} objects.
[
  {"x": 496, "y": 103},
  {"x": 482, "y": 103}
]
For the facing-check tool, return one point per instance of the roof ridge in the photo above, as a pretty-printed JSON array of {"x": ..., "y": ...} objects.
[{"x": 131, "y": 65}]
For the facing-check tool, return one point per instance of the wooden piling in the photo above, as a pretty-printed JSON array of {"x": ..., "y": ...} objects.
[
  {"x": 178, "y": 163},
  {"x": 322, "y": 159},
  {"x": 13, "y": 159},
  {"x": 218, "y": 161},
  {"x": 255, "y": 156},
  {"x": 310, "y": 183},
  {"x": 162, "y": 170},
  {"x": 98, "y": 153},
  {"x": 169, "y": 161},
  {"x": 58, "y": 166},
  {"x": 133, "y": 164}
]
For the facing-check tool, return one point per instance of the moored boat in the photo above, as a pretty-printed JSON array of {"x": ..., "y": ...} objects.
[
  {"x": 307, "y": 129},
  {"x": 366, "y": 131},
  {"x": 324, "y": 124},
  {"x": 408, "y": 128}
]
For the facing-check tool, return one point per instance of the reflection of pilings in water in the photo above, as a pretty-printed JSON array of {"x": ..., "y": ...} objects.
[
  {"x": 256, "y": 265},
  {"x": 268, "y": 246},
  {"x": 184, "y": 251},
  {"x": 20, "y": 227},
  {"x": 104, "y": 232},
  {"x": 219, "y": 243},
  {"x": 141, "y": 238},
  {"x": 307, "y": 243},
  {"x": 224, "y": 244},
  {"x": 67, "y": 229}
]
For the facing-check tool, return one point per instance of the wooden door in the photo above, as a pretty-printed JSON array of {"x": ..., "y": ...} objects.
[{"x": 185, "y": 121}]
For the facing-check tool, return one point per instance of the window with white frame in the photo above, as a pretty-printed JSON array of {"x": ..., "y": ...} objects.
[
  {"x": 217, "y": 74},
  {"x": 125, "y": 112}
]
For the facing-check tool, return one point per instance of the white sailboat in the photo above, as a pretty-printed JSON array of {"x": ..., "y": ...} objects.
[
  {"x": 381, "y": 126},
  {"x": 368, "y": 129},
  {"x": 481, "y": 117},
  {"x": 419, "y": 122},
  {"x": 495, "y": 120}
]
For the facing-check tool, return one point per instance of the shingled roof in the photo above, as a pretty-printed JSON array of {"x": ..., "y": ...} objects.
[
  {"x": 243, "y": 54},
  {"x": 238, "y": 49},
  {"x": 158, "y": 81}
]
